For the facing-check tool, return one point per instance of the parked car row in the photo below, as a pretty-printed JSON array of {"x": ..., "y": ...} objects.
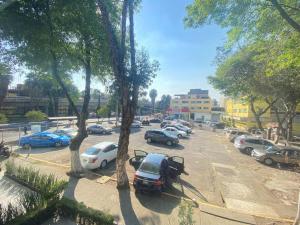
[
  {"x": 263, "y": 150},
  {"x": 169, "y": 134}
]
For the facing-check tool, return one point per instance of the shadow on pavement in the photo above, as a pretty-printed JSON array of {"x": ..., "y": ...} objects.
[
  {"x": 287, "y": 167},
  {"x": 70, "y": 190},
  {"x": 158, "y": 202},
  {"x": 127, "y": 211},
  {"x": 37, "y": 150},
  {"x": 193, "y": 189},
  {"x": 175, "y": 147},
  {"x": 109, "y": 170}
]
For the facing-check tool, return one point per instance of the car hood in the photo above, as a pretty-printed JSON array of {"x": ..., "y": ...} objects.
[{"x": 147, "y": 175}]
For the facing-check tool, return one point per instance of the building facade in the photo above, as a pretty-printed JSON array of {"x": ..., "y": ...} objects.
[
  {"x": 238, "y": 113},
  {"x": 195, "y": 105}
]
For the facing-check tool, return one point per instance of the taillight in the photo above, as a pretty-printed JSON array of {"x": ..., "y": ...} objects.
[
  {"x": 92, "y": 160},
  {"x": 242, "y": 141},
  {"x": 157, "y": 182}
]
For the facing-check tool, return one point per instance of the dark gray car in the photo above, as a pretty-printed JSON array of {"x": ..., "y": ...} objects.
[
  {"x": 97, "y": 129},
  {"x": 161, "y": 137}
]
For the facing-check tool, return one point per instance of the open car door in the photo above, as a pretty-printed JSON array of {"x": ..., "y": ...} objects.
[
  {"x": 138, "y": 158},
  {"x": 176, "y": 165}
]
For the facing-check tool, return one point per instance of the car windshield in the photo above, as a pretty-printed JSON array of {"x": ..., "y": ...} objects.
[
  {"x": 149, "y": 167},
  {"x": 92, "y": 151}
]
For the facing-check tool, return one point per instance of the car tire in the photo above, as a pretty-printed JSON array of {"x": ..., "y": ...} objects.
[
  {"x": 58, "y": 144},
  {"x": 248, "y": 150},
  {"x": 27, "y": 146},
  {"x": 268, "y": 161},
  {"x": 169, "y": 143},
  {"x": 149, "y": 140},
  {"x": 103, "y": 164},
  {"x": 179, "y": 135}
]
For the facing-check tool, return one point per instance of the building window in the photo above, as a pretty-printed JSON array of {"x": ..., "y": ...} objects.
[
  {"x": 205, "y": 107},
  {"x": 175, "y": 102},
  {"x": 192, "y": 108},
  {"x": 199, "y": 107},
  {"x": 185, "y": 102},
  {"x": 193, "y": 102},
  {"x": 206, "y": 101},
  {"x": 199, "y": 102}
]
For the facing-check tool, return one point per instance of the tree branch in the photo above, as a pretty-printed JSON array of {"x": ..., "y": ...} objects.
[{"x": 285, "y": 16}]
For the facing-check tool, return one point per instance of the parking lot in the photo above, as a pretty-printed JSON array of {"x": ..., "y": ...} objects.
[{"x": 217, "y": 172}]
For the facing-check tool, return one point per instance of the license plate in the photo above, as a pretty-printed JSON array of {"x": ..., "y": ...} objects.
[{"x": 145, "y": 182}]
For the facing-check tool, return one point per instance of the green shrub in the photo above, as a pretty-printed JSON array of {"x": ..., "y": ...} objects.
[
  {"x": 3, "y": 118},
  {"x": 46, "y": 185},
  {"x": 83, "y": 214},
  {"x": 35, "y": 116}
]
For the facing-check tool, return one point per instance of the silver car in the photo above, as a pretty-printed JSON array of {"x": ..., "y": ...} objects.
[{"x": 246, "y": 144}]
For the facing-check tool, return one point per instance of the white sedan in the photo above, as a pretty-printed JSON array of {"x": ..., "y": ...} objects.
[
  {"x": 175, "y": 132},
  {"x": 99, "y": 155}
]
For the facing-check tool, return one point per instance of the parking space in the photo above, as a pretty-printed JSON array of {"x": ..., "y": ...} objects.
[{"x": 217, "y": 172}]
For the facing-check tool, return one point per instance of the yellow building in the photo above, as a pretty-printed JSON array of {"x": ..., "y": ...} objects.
[
  {"x": 195, "y": 105},
  {"x": 239, "y": 114}
]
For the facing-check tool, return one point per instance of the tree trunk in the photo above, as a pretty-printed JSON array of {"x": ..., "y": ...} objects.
[
  {"x": 122, "y": 156},
  {"x": 256, "y": 115},
  {"x": 286, "y": 16},
  {"x": 76, "y": 168},
  {"x": 290, "y": 128},
  {"x": 4, "y": 82}
]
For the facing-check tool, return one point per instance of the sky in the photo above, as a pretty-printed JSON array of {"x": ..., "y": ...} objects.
[{"x": 186, "y": 55}]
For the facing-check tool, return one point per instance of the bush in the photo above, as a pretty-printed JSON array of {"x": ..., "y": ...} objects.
[
  {"x": 3, "y": 118},
  {"x": 46, "y": 185},
  {"x": 83, "y": 214},
  {"x": 35, "y": 116}
]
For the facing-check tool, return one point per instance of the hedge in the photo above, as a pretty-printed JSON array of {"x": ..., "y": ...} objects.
[
  {"x": 46, "y": 185},
  {"x": 44, "y": 202},
  {"x": 82, "y": 214}
]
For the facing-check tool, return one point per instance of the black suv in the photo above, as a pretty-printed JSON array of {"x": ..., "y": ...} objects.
[
  {"x": 161, "y": 137},
  {"x": 154, "y": 171}
]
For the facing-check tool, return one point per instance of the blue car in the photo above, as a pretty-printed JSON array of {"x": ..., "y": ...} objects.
[{"x": 44, "y": 139}]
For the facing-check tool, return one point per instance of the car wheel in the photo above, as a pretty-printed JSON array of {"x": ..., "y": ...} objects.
[
  {"x": 149, "y": 140},
  {"x": 103, "y": 164},
  {"x": 57, "y": 144},
  {"x": 27, "y": 146},
  {"x": 248, "y": 150},
  {"x": 169, "y": 143},
  {"x": 179, "y": 135},
  {"x": 268, "y": 161}
]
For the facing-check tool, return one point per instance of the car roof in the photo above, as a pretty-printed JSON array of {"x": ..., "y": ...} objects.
[
  {"x": 155, "y": 158},
  {"x": 103, "y": 144}
]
